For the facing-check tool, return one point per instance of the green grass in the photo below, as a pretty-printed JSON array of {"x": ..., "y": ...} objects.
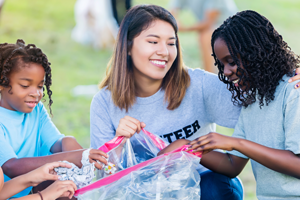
[{"x": 48, "y": 24}]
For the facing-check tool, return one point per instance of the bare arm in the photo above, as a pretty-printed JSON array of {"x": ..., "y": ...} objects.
[
  {"x": 69, "y": 150},
  {"x": 29, "y": 197},
  {"x": 68, "y": 143},
  {"x": 175, "y": 12},
  {"x": 174, "y": 145},
  {"x": 54, "y": 191},
  {"x": 282, "y": 161},
  {"x": 33, "y": 178},
  {"x": 18, "y": 166},
  {"x": 209, "y": 20},
  {"x": 223, "y": 163},
  {"x": 68, "y": 146},
  {"x": 15, "y": 186}
]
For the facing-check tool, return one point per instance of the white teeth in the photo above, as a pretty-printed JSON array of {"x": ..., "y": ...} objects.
[
  {"x": 158, "y": 62},
  {"x": 235, "y": 81}
]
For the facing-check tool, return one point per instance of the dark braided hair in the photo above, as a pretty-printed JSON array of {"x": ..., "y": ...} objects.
[
  {"x": 13, "y": 55},
  {"x": 261, "y": 56}
]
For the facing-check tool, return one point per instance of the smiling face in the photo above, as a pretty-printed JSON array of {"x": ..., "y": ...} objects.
[
  {"x": 230, "y": 67},
  {"x": 153, "y": 52},
  {"x": 26, "y": 88}
]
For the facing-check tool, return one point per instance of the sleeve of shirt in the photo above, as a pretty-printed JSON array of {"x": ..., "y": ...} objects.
[
  {"x": 291, "y": 121},
  {"x": 239, "y": 133},
  {"x": 177, "y": 4},
  {"x": 217, "y": 100},
  {"x": 6, "y": 150},
  {"x": 101, "y": 126},
  {"x": 214, "y": 5},
  {"x": 48, "y": 132}
]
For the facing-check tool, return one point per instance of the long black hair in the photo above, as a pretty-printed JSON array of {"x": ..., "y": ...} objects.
[{"x": 261, "y": 56}]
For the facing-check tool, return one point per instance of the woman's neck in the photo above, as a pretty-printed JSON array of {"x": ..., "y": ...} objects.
[{"x": 147, "y": 89}]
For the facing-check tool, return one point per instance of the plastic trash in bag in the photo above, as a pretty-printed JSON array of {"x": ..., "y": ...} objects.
[
  {"x": 120, "y": 154},
  {"x": 169, "y": 176}
]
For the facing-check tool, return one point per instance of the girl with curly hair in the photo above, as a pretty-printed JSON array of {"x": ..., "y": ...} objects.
[
  {"x": 147, "y": 83},
  {"x": 28, "y": 137},
  {"x": 256, "y": 64}
]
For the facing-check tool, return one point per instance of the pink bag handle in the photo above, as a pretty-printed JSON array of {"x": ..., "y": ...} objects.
[
  {"x": 156, "y": 140},
  {"x": 114, "y": 177},
  {"x": 108, "y": 146},
  {"x": 184, "y": 148}
]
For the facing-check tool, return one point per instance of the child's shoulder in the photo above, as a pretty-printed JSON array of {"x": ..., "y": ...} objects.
[
  {"x": 39, "y": 108},
  {"x": 288, "y": 89}
]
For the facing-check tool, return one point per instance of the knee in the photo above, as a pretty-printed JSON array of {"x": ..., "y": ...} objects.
[{"x": 217, "y": 186}]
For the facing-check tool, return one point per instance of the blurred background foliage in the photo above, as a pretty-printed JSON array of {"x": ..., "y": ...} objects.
[{"x": 48, "y": 24}]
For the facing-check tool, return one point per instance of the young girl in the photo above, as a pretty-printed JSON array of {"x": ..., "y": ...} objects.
[
  {"x": 46, "y": 172},
  {"x": 255, "y": 63},
  {"x": 27, "y": 134}
]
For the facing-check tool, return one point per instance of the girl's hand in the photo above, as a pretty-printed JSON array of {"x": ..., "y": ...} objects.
[
  {"x": 212, "y": 141},
  {"x": 59, "y": 189},
  {"x": 45, "y": 172},
  {"x": 295, "y": 78},
  {"x": 128, "y": 126},
  {"x": 97, "y": 155}
]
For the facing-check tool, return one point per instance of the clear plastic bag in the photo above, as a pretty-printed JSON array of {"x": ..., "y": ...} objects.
[
  {"x": 124, "y": 153},
  {"x": 169, "y": 176},
  {"x": 142, "y": 175},
  {"x": 120, "y": 154},
  {"x": 146, "y": 145}
]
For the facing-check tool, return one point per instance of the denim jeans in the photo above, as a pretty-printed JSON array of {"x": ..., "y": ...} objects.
[{"x": 215, "y": 186}]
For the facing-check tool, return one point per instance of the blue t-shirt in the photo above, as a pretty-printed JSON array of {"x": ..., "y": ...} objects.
[
  {"x": 207, "y": 101},
  {"x": 275, "y": 126},
  {"x": 26, "y": 135}
]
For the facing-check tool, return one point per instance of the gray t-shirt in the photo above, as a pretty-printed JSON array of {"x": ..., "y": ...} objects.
[
  {"x": 226, "y": 8},
  {"x": 275, "y": 126},
  {"x": 206, "y": 102}
]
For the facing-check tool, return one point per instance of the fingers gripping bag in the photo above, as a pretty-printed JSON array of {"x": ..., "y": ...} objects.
[
  {"x": 123, "y": 153},
  {"x": 169, "y": 176}
]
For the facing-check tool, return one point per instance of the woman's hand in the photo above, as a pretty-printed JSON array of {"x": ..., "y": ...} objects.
[
  {"x": 212, "y": 141},
  {"x": 45, "y": 173},
  {"x": 295, "y": 78},
  {"x": 59, "y": 189},
  {"x": 96, "y": 156},
  {"x": 128, "y": 126}
]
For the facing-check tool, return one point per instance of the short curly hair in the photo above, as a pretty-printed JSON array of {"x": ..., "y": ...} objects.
[
  {"x": 254, "y": 44},
  {"x": 11, "y": 55}
]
